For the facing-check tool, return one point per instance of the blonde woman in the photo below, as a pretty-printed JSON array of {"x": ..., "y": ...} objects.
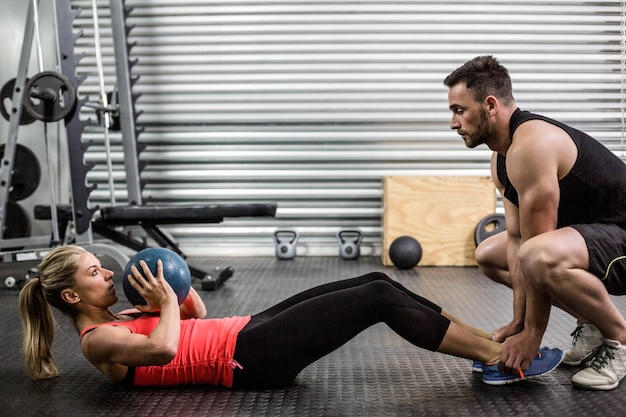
[{"x": 162, "y": 343}]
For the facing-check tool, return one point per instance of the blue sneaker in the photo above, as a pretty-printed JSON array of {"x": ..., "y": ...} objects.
[
  {"x": 545, "y": 361},
  {"x": 477, "y": 366}
]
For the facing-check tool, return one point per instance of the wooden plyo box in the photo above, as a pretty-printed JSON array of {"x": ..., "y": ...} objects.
[{"x": 440, "y": 212}]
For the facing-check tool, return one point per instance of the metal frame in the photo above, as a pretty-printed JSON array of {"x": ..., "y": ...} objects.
[{"x": 82, "y": 214}]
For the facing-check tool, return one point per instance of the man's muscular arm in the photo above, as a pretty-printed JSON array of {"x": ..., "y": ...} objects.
[
  {"x": 513, "y": 240},
  {"x": 534, "y": 161}
]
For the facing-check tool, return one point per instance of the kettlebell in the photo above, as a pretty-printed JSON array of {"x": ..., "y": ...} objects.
[
  {"x": 286, "y": 241},
  {"x": 349, "y": 241}
]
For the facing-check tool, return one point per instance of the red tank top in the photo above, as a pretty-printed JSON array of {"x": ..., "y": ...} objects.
[{"x": 204, "y": 356}]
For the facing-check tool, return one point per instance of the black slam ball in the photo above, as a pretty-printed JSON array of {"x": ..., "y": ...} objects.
[{"x": 405, "y": 252}]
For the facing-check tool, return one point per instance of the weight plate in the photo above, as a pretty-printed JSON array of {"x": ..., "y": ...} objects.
[
  {"x": 489, "y": 226},
  {"x": 49, "y": 96},
  {"x": 26, "y": 172},
  {"x": 6, "y": 95},
  {"x": 16, "y": 224}
]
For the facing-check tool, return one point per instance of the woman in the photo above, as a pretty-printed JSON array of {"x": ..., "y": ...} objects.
[{"x": 162, "y": 343}]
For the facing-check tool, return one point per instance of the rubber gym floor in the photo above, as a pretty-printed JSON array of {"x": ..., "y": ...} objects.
[{"x": 375, "y": 374}]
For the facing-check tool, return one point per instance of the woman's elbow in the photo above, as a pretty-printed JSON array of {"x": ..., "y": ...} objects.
[
  {"x": 165, "y": 356},
  {"x": 193, "y": 307},
  {"x": 162, "y": 353},
  {"x": 201, "y": 313}
]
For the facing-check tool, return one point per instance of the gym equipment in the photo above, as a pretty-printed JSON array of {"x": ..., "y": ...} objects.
[
  {"x": 18, "y": 224},
  {"x": 405, "y": 252},
  {"x": 6, "y": 93},
  {"x": 64, "y": 217},
  {"x": 52, "y": 96},
  {"x": 175, "y": 271},
  {"x": 112, "y": 110},
  {"x": 213, "y": 280},
  {"x": 37, "y": 246},
  {"x": 150, "y": 217},
  {"x": 103, "y": 99},
  {"x": 488, "y": 226},
  {"x": 49, "y": 96},
  {"x": 286, "y": 241},
  {"x": 349, "y": 243},
  {"x": 18, "y": 267},
  {"x": 11, "y": 281},
  {"x": 26, "y": 173},
  {"x": 15, "y": 281}
]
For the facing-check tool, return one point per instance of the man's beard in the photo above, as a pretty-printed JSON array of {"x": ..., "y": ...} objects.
[{"x": 483, "y": 132}]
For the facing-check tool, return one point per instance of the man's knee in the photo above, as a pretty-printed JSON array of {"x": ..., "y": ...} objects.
[
  {"x": 541, "y": 261},
  {"x": 483, "y": 256},
  {"x": 490, "y": 256}
]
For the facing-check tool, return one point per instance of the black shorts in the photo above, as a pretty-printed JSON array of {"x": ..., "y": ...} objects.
[{"x": 607, "y": 254}]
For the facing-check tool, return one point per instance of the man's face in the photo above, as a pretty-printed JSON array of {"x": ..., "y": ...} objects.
[{"x": 469, "y": 118}]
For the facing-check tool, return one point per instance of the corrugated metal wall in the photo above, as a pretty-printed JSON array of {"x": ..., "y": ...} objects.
[{"x": 311, "y": 103}]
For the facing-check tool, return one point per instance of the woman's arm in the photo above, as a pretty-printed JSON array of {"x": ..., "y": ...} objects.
[
  {"x": 109, "y": 345},
  {"x": 193, "y": 306}
]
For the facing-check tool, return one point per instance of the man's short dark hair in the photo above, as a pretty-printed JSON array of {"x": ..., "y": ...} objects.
[{"x": 483, "y": 76}]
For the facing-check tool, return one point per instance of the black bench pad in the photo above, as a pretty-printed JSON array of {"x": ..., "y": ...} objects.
[{"x": 174, "y": 214}]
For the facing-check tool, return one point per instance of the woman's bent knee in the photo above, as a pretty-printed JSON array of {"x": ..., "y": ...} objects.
[{"x": 377, "y": 276}]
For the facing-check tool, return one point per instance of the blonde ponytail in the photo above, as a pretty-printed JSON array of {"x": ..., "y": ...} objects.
[
  {"x": 39, "y": 326},
  {"x": 57, "y": 271}
]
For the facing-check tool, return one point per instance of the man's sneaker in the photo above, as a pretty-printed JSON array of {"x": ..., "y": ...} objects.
[
  {"x": 605, "y": 370},
  {"x": 585, "y": 339},
  {"x": 545, "y": 361}
]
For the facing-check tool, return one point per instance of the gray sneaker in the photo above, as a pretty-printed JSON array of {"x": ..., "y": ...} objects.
[
  {"x": 585, "y": 339},
  {"x": 605, "y": 370}
]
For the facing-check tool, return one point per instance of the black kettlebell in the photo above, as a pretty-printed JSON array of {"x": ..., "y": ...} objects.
[
  {"x": 349, "y": 243},
  {"x": 286, "y": 241}
]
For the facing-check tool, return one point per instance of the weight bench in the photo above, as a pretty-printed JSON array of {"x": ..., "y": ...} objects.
[{"x": 149, "y": 217}]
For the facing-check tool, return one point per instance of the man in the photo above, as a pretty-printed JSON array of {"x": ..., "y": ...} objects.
[{"x": 565, "y": 208}]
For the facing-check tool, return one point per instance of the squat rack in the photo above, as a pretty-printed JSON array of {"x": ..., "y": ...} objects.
[
  {"x": 81, "y": 213},
  {"x": 116, "y": 223}
]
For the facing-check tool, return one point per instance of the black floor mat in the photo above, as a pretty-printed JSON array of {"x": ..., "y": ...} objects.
[{"x": 375, "y": 374}]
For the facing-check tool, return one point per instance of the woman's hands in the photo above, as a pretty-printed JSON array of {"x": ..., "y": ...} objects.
[
  {"x": 157, "y": 291},
  {"x": 112, "y": 348},
  {"x": 154, "y": 289}
]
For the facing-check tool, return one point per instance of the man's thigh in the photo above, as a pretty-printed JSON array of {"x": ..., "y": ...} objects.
[{"x": 606, "y": 244}]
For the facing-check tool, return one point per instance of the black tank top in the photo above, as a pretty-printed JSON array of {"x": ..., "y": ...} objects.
[{"x": 594, "y": 191}]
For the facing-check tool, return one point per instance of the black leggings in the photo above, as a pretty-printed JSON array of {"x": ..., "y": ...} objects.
[{"x": 281, "y": 341}]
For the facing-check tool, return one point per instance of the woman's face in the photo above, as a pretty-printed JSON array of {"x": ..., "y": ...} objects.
[{"x": 94, "y": 284}]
